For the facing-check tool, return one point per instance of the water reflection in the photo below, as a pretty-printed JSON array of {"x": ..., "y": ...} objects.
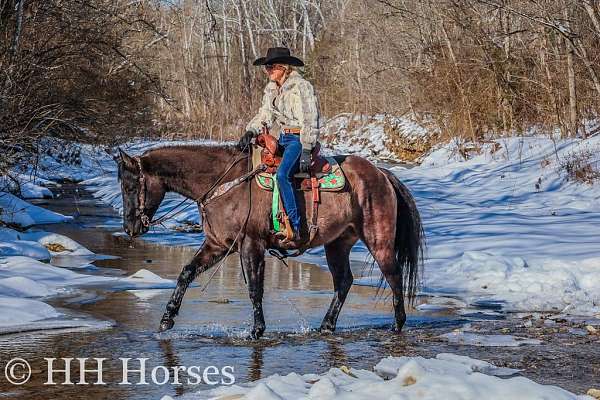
[
  {"x": 336, "y": 353},
  {"x": 171, "y": 361},
  {"x": 256, "y": 363}
]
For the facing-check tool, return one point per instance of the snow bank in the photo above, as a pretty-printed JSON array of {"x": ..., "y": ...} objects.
[
  {"x": 538, "y": 285},
  {"x": 144, "y": 278},
  {"x": 62, "y": 160},
  {"x": 20, "y": 311},
  {"x": 457, "y": 377},
  {"x": 20, "y": 286},
  {"x": 15, "y": 211},
  {"x": 507, "y": 226},
  {"x": 388, "y": 367},
  {"x": 379, "y": 137},
  {"x": 46, "y": 274},
  {"x": 24, "y": 315},
  {"x": 23, "y": 277},
  {"x": 39, "y": 245},
  {"x": 26, "y": 186},
  {"x": 62, "y": 279},
  {"x": 57, "y": 244},
  {"x": 24, "y": 248}
]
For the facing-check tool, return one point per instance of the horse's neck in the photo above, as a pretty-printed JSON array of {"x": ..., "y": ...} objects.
[{"x": 193, "y": 171}]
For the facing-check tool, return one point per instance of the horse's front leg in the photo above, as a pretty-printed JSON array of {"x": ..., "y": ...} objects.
[
  {"x": 208, "y": 255},
  {"x": 252, "y": 254}
]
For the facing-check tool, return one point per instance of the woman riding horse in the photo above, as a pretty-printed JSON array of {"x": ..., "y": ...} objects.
[
  {"x": 374, "y": 206},
  {"x": 289, "y": 100}
]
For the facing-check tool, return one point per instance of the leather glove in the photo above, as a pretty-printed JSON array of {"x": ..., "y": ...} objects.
[
  {"x": 245, "y": 141},
  {"x": 305, "y": 161}
]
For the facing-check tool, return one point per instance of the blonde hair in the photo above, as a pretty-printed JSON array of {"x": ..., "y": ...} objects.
[{"x": 288, "y": 69}]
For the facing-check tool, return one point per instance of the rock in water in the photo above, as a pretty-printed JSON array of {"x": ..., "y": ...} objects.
[
  {"x": 595, "y": 393},
  {"x": 56, "y": 247}
]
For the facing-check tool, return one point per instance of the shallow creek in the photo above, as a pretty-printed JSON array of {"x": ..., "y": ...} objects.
[{"x": 212, "y": 326}]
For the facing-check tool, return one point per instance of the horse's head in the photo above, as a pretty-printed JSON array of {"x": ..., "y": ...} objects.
[{"x": 142, "y": 194}]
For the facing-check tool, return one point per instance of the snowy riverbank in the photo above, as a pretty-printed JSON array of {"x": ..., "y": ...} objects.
[
  {"x": 27, "y": 279},
  {"x": 510, "y": 227},
  {"x": 25, "y": 282},
  {"x": 505, "y": 227},
  {"x": 446, "y": 376}
]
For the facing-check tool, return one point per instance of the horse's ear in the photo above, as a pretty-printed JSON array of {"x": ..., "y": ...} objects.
[
  {"x": 115, "y": 155},
  {"x": 128, "y": 161}
]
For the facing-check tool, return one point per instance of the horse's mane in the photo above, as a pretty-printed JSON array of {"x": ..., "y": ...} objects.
[{"x": 229, "y": 147}]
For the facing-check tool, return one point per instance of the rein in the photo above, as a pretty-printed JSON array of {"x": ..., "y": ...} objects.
[{"x": 141, "y": 210}]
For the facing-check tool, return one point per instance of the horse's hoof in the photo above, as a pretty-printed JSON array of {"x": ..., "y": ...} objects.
[
  {"x": 166, "y": 324},
  {"x": 256, "y": 334},
  {"x": 327, "y": 329}
]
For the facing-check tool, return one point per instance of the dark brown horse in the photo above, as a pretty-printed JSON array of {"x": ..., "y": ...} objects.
[{"x": 374, "y": 207}]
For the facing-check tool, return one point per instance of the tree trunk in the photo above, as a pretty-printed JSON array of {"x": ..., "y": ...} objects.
[
  {"x": 550, "y": 87},
  {"x": 507, "y": 114},
  {"x": 250, "y": 34},
  {"x": 589, "y": 7},
  {"x": 19, "y": 27},
  {"x": 573, "y": 118},
  {"x": 464, "y": 97}
]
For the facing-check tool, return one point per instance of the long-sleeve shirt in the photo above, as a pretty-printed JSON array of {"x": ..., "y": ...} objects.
[{"x": 293, "y": 105}]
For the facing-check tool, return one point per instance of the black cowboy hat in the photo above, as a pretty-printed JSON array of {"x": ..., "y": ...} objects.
[{"x": 279, "y": 55}]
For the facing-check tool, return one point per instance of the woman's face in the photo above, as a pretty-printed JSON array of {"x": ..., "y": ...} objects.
[{"x": 275, "y": 72}]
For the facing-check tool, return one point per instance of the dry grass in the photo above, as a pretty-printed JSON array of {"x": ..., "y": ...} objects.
[{"x": 582, "y": 166}]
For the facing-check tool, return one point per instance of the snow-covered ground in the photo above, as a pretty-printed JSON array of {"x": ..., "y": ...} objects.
[
  {"x": 507, "y": 226},
  {"x": 17, "y": 212},
  {"x": 25, "y": 186},
  {"x": 379, "y": 137},
  {"x": 25, "y": 281},
  {"x": 446, "y": 376}
]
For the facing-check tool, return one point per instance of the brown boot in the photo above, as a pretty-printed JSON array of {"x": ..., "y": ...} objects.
[{"x": 295, "y": 236}]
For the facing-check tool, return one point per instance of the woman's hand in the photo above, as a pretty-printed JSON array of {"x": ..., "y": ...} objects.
[
  {"x": 305, "y": 161},
  {"x": 245, "y": 141}
]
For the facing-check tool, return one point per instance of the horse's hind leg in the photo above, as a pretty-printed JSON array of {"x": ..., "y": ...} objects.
[
  {"x": 386, "y": 259},
  {"x": 338, "y": 261},
  {"x": 206, "y": 257},
  {"x": 379, "y": 234}
]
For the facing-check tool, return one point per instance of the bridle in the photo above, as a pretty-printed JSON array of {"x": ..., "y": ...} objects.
[
  {"x": 147, "y": 222},
  {"x": 141, "y": 209},
  {"x": 209, "y": 195}
]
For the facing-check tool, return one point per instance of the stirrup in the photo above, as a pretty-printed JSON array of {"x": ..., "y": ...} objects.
[{"x": 282, "y": 235}]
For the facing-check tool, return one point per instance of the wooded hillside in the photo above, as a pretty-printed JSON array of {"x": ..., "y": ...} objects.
[{"x": 107, "y": 69}]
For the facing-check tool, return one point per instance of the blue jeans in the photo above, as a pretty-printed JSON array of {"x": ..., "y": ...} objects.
[{"x": 285, "y": 173}]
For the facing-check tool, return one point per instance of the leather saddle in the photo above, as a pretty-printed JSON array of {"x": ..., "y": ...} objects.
[
  {"x": 272, "y": 152},
  {"x": 325, "y": 175}
]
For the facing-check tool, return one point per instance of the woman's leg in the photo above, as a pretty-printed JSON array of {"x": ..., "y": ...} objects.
[{"x": 285, "y": 173}]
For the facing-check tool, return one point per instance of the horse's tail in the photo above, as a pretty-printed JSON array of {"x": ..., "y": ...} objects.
[{"x": 410, "y": 237}]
